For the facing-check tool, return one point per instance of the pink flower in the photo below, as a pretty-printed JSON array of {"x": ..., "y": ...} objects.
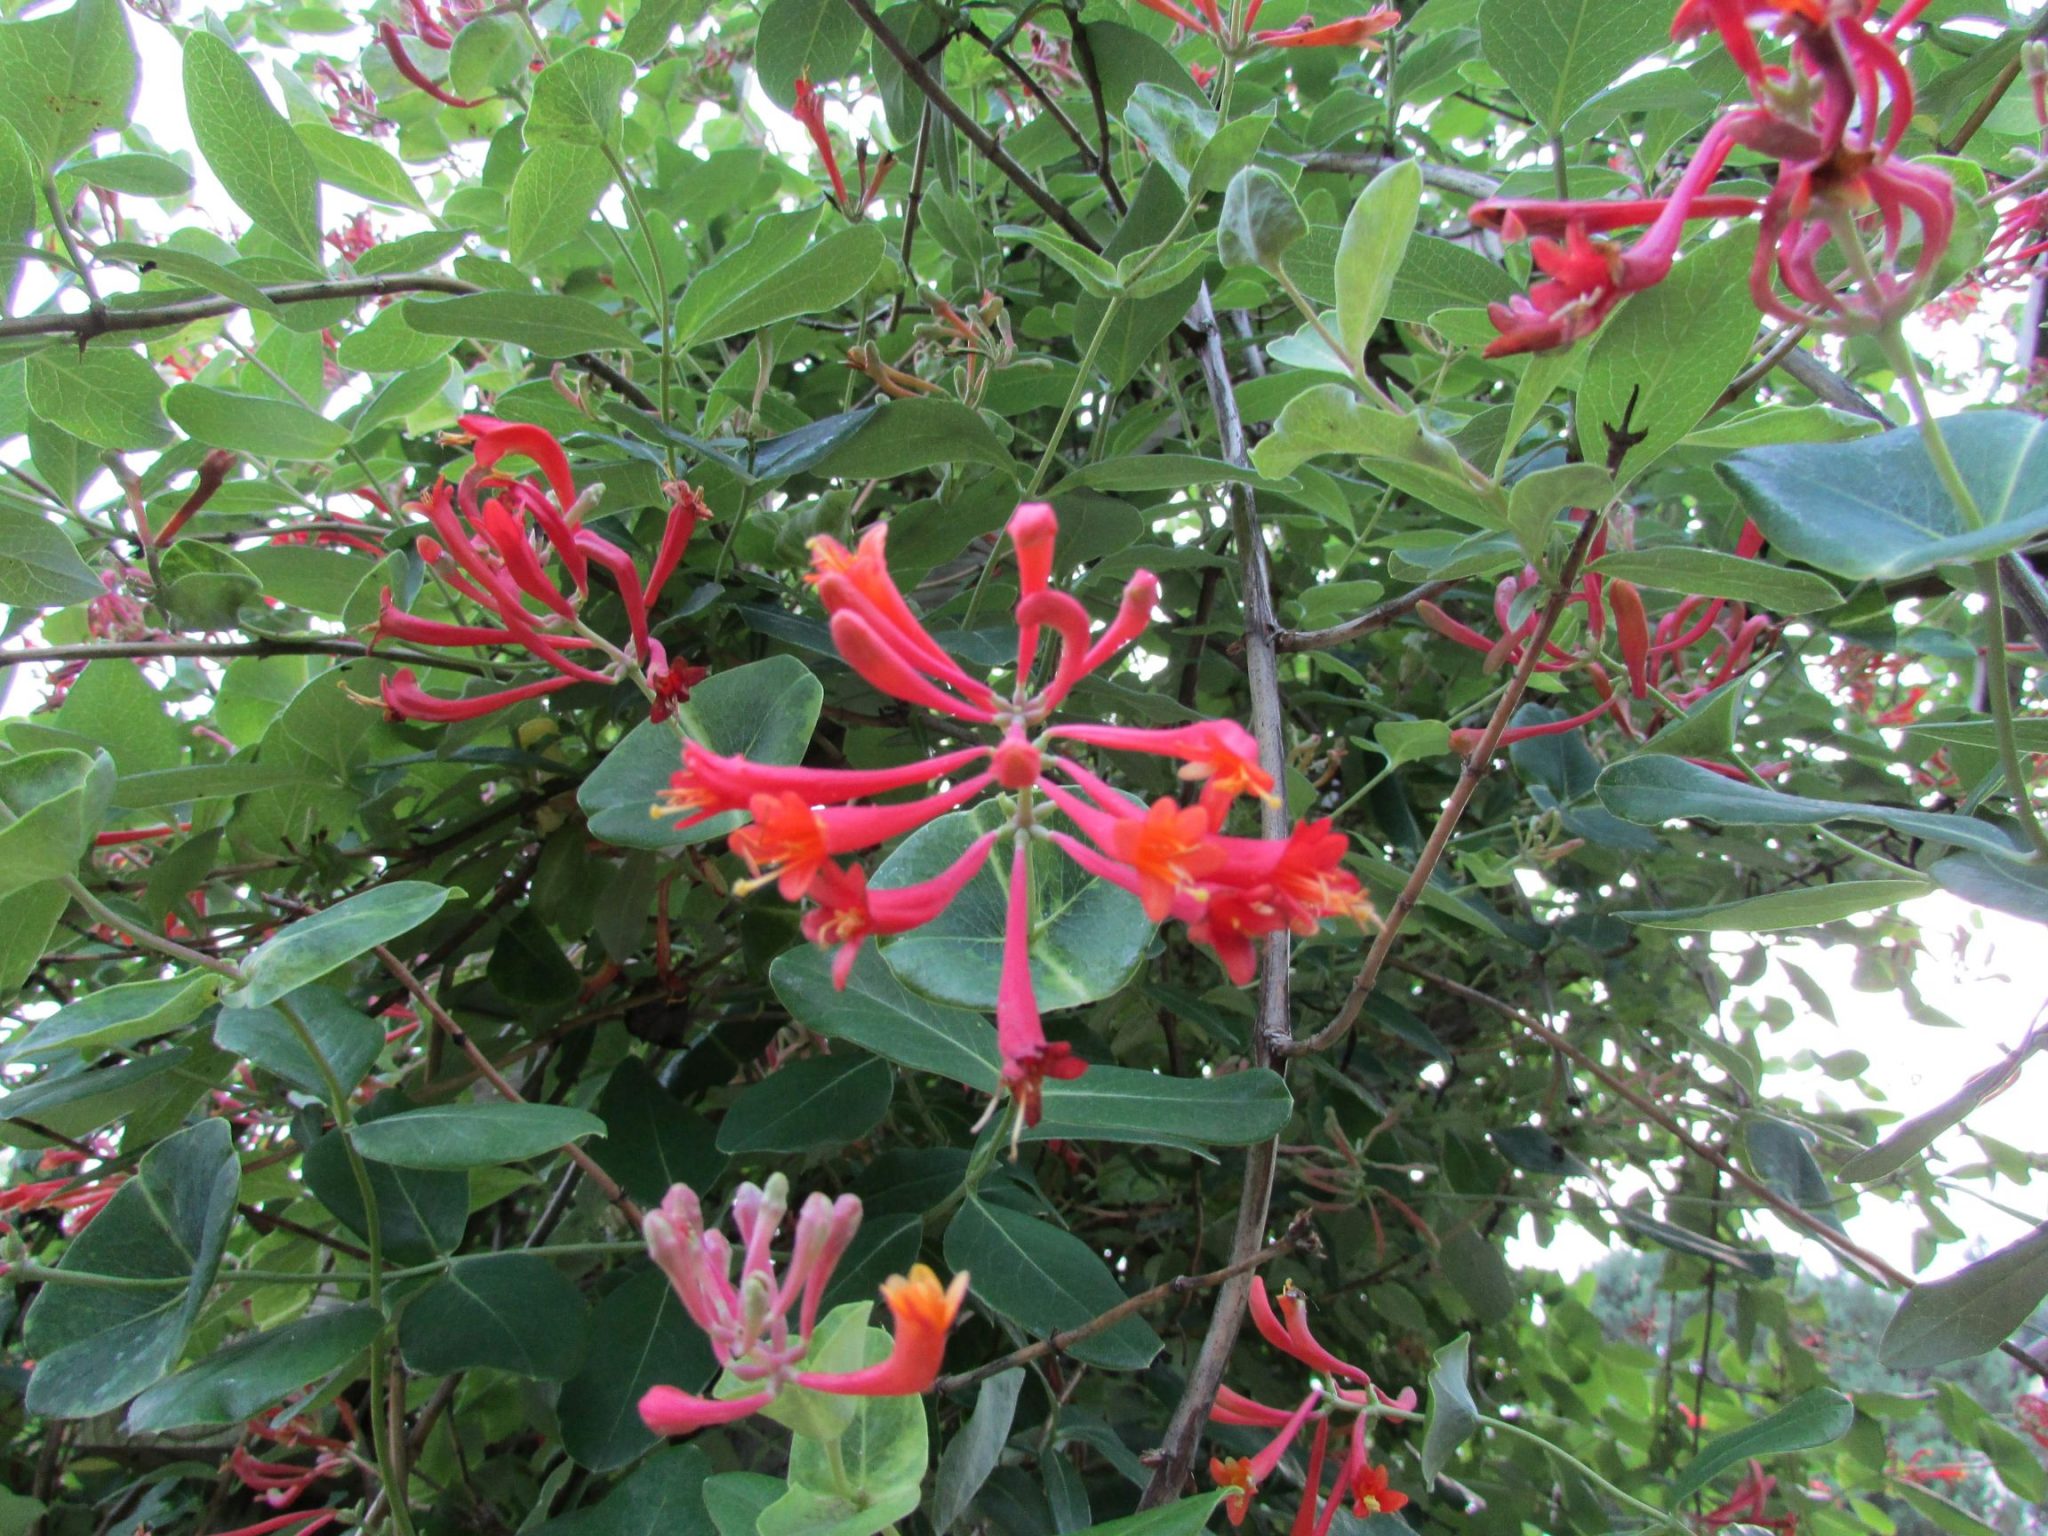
[{"x": 748, "y": 1322}]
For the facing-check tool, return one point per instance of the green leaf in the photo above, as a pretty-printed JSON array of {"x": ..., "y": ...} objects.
[
  {"x": 1999, "y": 883},
  {"x": 1556, "y": 55},
  {"x": 106, "y": 395},
  {"x": 1715, "y": 573},
  {"x": 253, "y": 424},
  {"x": 546, "y": 324},
  {"x": 764, "y": 711},
  {"x": 553, "y": 194},
  {"x": 358, "y": 165},
  {"x": 1183, "y": 1517},
  {"x": 389, "y": 345},
  {"x": 1799, "y": 907},
  {"x": 1233, "y": 1109},
  {"x": 20, "y": 201},
  {"x": 822, "y": 278},
  {"x": 1671, "y": 350},
  {"x": 420, "y": 1215},
  {"x": 1153, "y": 472},
  {"x": 1400, "y": 450},
  {"x": 1374, "y": 245},
  {"x": 348, "y": 1042},
  {"x": 1943, "y": 1514},
  {"x": 809, "y": 1106},
  {"x": 96, "y": 1347},
  {"x": 1537, "y": 500},
  {"x": 1650, "y": 790},
  {"x": 1045, "y": 1280},
  {"x": 1781, "y": 1154},
  {"x": 1908, "y": 1139},
  {"x": 975, "y": 1448},
  {"x": 905, "y": 436},
  {"x": 576, "y": 99},
  {"x": 1438, "y": 274},
  {"x": 665, "y": 1496},
  {"x": 1479, "y": 1275},
  {"x": 1092, "y": 272},
  {"x": 452, "y": 1136},
  {"x": 878, "y": 1013},
  {"x": 247, "y": 143},
  {"x": 27, "y": 918},
  {"x": 1970, "y": 1312},
  {"x": 39, "y": 566},
  {"x": 311, "y": 947},
  {"x": 1260, "y": 220},
  {"x": 1453, "y": 1416},
  {"x": 255, "y": 1372},
  {"x": 203, "y": 584},
  {"x": 1818, "y": 1417},
  {"x": 68, "y": 76},
  {"x": 489, "y": 53},
  {"x": 499, "y": 1311},
  {"x": 1874, "y": 509},
  {"x": 640, "y": 1337},
  {"x": 117, "y": 1015},
  {"x": 50, "y": 809},
  {"x": 820, "y": 38},
  {"x": 1087, "y": 935},
  {"x": 652, "y": 1140}
]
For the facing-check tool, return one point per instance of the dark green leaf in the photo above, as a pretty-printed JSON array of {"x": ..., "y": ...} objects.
[
  {"x": 499, "y": 1311},
  {"x": 1045, "y": 1280},
  {"x": 255, "y": 1372},
  {"x": 640, "y": 1337},
  {"x": 313, "y": 946},
  {"x": 452, "y": 1136},
  {"x": 1818, "y": 1417},
  {"x": 347, "y": 1041},
  {"x": 546, "y": 324},
  {"x": 809, "y": 1106},
  {"x": 1971, "y": 1311},
  {"x": 1453, "y": 1417},
  {"x": 652, "y": 1140}
]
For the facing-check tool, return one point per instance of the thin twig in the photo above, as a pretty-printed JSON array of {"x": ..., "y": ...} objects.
[
  {"x": 446, "y": 1022},
  {"x": 1445, "y": 178},
  {"x": 1179, "y": 1285},
  {"x": 1374, "y": 619},
  {"x": 1272, "y": 1009},
  {"x": 983, "y": 141},
  {"x": 1476, "y": 767}
]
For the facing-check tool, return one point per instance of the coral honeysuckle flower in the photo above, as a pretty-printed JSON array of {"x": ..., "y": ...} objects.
[
  {"x": 1349, "y": 1390},
  {"x": 1833, "y": 121},
  {"x": 1177, "y": 859},
  {"x": 1241, "y": 1476},
  {"x": 484, "y": 549},
  {"x": 1352, "y": 32},
  {"x": 760, "y": 1327}
]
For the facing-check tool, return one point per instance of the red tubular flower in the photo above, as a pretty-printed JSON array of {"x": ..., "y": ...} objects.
[
  {"x": 1632, "y": 633},
  {"x": 404, "y": 699},
  {"x": 924, "y": 1312},
  {"x": 1241, "y": 1476},
  {"x": 1352, "y": 32},
  {"x": 402, "y": 61},
  {"x": 1028, "y": 1057},
  {"x": 849, "y": 911},
  {"x": 1170, "y": 848},
  {"x": 810, "y": 111},
  {"x": 710, "y": 783},
  {"x": 214, "y": 469},
  {"x": 672, "y": 1411}
]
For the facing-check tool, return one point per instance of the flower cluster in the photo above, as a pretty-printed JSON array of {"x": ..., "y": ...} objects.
[
  {"x": 1746, "y": 1507},
  {"x": 749, "y": 1322},
  {"x": 488, "y": 554},
  {"x": 1654, "y": 656},
  {"x": 1833, "y": 121},
  {"x": 1352, "y": 32},
  {"x": 80, "y": 1198},
  {"x": 1342, "y": 1388},
  {"x": 1175, "y": 858}
]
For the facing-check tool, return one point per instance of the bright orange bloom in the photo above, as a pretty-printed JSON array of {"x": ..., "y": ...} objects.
[
  {"x": 1234, "y": 1475},
  {"x": 1370, "y": 1494},
  {"x": 785, "y": 844},
  {"x": 1352, "y": 32},
  {"x": 924, "y": 1311},
  {"x": 1169, "y": 847}
]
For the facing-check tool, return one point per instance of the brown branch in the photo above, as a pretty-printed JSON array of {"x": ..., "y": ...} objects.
[
  {"x": 455, "y": 1032},
  {"x": 1994, "y": 94},
  {"x": 1091, "y": 76},
  {"x": 1179, "y": 1285},
  {"x": 284, "y": 645},
  {"x": 1658, "y": 1115},
  {"x": 101, "y": 321},
  {"x": 1272, "y": 1008},
  {"x": 983, "y": 141},
  {"x": 1369, "y": 622},
  {"x": 1475, "y": 769}
]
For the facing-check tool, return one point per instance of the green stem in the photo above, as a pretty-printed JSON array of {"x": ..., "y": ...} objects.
[
  {"x": 395, "y": 1499},
  {"x": 168, "y": 948},
  {"x": 1558, "y": 1453}
]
